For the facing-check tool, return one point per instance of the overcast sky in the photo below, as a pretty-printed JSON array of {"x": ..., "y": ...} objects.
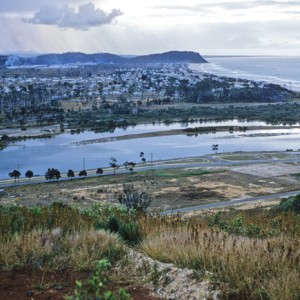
[{"x": 148, "y": 26}]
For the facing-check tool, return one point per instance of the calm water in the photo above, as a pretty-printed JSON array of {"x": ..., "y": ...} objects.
[
  {"x": 281, "y": 70},
  {"x": 57, "y": 152}
]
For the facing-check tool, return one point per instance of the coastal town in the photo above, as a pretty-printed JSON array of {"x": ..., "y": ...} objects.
[{"x": 45, "y": 95}]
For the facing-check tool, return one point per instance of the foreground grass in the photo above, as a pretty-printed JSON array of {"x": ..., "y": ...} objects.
[
  {"x": 254, "y": 255},
  {"x": 55, "y": 251},
  {"x": 251, "y": 254},
  {"x": 60, "y": 238}
]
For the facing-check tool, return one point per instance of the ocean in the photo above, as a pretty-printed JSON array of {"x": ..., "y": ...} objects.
[{"x": 279, "y": 70}]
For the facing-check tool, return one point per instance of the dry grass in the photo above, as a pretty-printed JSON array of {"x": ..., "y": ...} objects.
[
  {"x": 54, "y": 251},
  {"x": 245, "y": 268}
]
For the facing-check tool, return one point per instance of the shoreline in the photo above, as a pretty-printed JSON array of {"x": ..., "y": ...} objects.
[
  {"x": 291, "y": 84},
  {"x": 187, "y": 131},
  {"x": 44, "y": 132}
]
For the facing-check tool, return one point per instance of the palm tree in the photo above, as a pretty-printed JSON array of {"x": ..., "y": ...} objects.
[
  {"x": 113, "y": 164},
  {"x": 129, "y": 166},
  {"x": 215, "y": 147},
  {"x": 143, "y": 159}
]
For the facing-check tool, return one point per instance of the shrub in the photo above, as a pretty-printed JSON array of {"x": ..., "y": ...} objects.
[
  {"x": 290, "y": 204},
  {"x": 132, "y": 198},
  {"x": 129, "y": 231},
  {"x": 113, "y": 224}
]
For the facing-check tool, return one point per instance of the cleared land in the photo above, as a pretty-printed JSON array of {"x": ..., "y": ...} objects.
[{"x": 169, "y": 188}]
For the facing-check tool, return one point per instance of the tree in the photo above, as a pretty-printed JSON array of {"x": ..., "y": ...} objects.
[
  {"x": 215, "y": 147},
  {"x": 29, "y": 174},
  {"x": 82, "y": 173},
  {"x": 132, "y": 198},
  {"x": 15, "y": 174},
  {"x": 143, "y": 159},
  {"x": 113, "y": 164},
  {"x": 99, "y": 171},
  {"x": 129, "y": 166},
  {"x": 71, "y": 174},
  {"x": 52, "y": 174}
]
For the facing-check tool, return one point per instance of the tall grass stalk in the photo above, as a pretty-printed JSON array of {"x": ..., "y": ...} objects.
[
  {"x": 250, "y": 268},
  {"x": 55, "y": 250}
]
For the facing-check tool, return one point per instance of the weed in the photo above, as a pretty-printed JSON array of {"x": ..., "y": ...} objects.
[{"x": 95, "y": 288}]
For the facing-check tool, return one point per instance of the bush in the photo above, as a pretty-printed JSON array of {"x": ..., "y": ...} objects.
[
  {"x": 113, "y": 224},
  {"x": 290, "y": 204},
  {"x": 132, "y": 198},
  {"x": 129, "y": 231}
]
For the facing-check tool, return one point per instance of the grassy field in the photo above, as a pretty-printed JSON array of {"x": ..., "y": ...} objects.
[{"x": 260, "y": 156}]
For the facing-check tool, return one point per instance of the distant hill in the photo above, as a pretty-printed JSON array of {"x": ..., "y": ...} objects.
[
  {"x": 171, "y": 57},
  {"x": 102, "y": 58},
  {"x": 3, "y": 59}
]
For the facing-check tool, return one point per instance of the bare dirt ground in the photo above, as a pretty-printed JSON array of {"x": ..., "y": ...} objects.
[{"x": 18, "y": 285}]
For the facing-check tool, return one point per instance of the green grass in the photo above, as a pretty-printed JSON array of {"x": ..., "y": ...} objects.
[
  {"x": 179, "y": 173},
  {"x": 238, "y": 157},
  {"x": 183, "y": 161},
  {"x": 254, "y": 156}
]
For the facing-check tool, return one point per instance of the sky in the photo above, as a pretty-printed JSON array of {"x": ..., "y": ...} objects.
[{"x": 211, "y": 27}]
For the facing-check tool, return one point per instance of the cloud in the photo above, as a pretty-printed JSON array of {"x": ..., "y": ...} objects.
[
  {"x": 230, "y": 5},
  {"x": 17, "y": 6},
  {"x": 65, "y": 16}
]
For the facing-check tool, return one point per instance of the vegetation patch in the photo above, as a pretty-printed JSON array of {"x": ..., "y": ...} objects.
[{"x": 180, "y": 173}]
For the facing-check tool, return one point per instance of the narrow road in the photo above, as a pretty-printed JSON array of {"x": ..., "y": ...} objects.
[{"x": 227, "y": 203}]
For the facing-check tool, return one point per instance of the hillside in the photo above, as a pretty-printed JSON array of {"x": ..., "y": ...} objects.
[{"x": 103, "y": 58}]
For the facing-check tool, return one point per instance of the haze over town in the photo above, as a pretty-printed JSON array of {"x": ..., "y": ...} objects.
[{"x": 142, "y": 27}]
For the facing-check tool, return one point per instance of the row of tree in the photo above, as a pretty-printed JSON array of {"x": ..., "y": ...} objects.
[
  {"x": 54, "y": 174},
  {"x": 16, "y": 174}
]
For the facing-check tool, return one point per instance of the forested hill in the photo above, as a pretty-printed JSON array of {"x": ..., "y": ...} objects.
[
  {"x": 103, "y": 58},
  {"x": 170, "y": 57}
]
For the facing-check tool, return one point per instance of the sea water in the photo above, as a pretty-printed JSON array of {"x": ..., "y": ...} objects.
[{"x": 279, "y": 70}]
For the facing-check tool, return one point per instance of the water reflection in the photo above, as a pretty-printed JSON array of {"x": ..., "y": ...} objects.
[{"x": 39, "y": 155}]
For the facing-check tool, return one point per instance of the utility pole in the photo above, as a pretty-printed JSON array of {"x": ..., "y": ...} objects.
[
  {"x": 84, "y": 163},
  {"x": 151, "y": 158}
]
